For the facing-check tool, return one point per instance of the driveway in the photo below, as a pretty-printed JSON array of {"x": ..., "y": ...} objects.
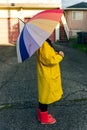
[{"x": 18, "y": 92}]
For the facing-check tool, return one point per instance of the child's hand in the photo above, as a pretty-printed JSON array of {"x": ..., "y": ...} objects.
[{"x": 61, "y": 53}]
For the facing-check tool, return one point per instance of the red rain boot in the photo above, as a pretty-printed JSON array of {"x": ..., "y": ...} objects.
[
  {"x": 45, "y": 119},
  {"x": 39, "y": 114}
]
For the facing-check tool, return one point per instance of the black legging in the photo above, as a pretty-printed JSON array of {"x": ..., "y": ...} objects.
[{"x": 43, "y": 107}]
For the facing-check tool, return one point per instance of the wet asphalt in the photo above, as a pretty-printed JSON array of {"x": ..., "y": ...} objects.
[{"x": 18, "y": 92}]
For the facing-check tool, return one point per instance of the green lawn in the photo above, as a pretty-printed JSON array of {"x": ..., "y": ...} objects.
[{"x": 82, "y": 47}]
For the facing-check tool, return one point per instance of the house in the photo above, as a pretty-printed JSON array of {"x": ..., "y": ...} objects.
[
  {"x": 76, "y": 17},
  {"x": 11, "y": 13}
]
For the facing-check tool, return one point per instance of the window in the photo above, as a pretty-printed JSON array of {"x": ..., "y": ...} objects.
[{"x": 77, "y": 15}]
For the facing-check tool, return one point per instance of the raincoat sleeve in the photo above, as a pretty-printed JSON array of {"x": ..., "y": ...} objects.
[{"x": 48, "y": 56}]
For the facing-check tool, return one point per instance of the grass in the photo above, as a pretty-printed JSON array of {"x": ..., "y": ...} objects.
[{"x": 79, "y": 46}]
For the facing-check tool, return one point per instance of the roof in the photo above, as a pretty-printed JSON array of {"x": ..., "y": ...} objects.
[{"x": 78, "y": 6}]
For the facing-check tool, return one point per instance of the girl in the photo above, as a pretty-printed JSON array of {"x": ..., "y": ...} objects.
[{"x": 49, "y": 80}]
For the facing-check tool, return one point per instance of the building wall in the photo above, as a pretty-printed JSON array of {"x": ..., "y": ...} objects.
[
  {"x": 76, "y": 25},
  {"x": 10, "y": 25},
  {"x": 9, "y": 30},
  {"x": 85, "y": 21},
  {"x": 3, "y": 31},
  {"x": 13, "y": 30},
  {"x": 11, "y": 11}
]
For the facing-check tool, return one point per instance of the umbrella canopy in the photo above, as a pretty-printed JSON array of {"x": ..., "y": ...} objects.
[{"x": 36, "y": 31}]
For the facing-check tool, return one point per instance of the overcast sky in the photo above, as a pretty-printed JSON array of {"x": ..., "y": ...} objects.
[{"x": 66, "y": 3}]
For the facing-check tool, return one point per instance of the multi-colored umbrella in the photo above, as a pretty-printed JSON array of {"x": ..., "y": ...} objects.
[{"x": 36, "y": 31}]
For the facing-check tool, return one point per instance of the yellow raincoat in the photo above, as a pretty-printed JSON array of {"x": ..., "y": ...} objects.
[{"x": 49, "y": 76}]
